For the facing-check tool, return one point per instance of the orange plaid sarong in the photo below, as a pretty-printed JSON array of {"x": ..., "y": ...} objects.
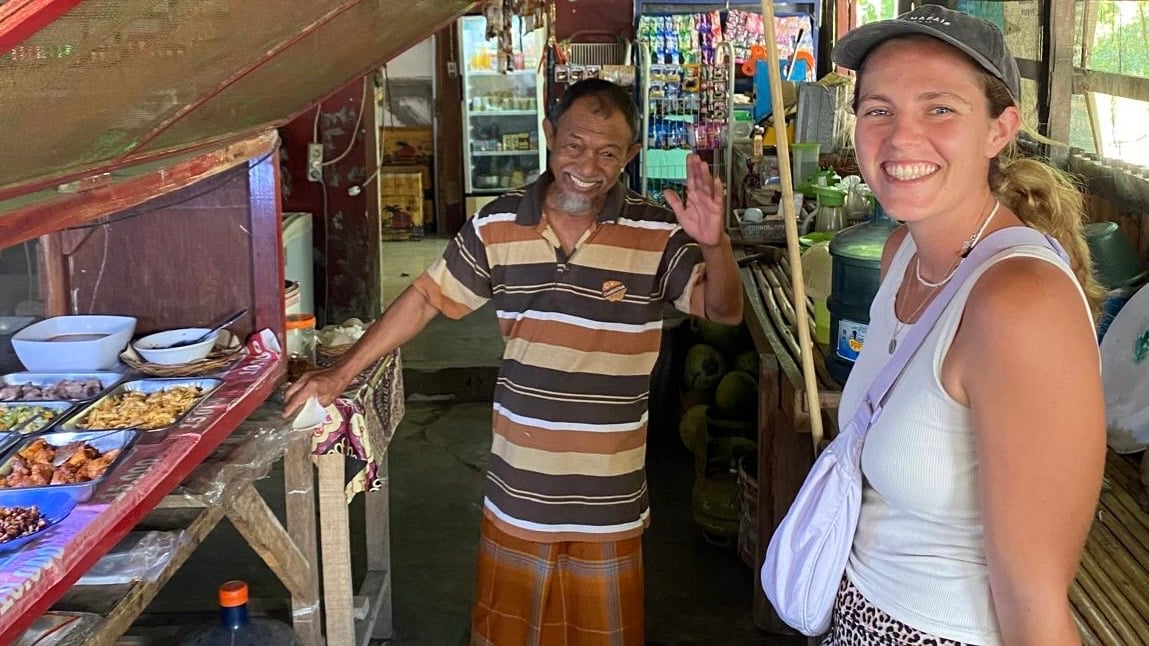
[{"x": 557, "y": 594}]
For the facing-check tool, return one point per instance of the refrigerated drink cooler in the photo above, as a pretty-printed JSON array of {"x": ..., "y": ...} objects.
[{"x": 503, "y": 145}]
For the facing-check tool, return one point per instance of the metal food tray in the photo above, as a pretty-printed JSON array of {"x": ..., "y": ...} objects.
[
  {"x": 62, "y": 411},
  {"x": 7, "y": 441},
  {"x": 108, "y": 381},
  {"x": 208, "y": 386},
  {"x": 102, "y": 441}
]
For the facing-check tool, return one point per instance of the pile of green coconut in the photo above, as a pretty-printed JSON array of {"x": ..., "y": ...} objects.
[{"x": 720, "y": 393}]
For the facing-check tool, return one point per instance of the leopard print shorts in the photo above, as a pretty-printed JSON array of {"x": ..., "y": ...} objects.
[{"x": 857, "y": 622}]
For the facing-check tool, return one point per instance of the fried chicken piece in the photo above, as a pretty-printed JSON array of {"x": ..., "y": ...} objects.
[
  {"x": 39, "y": 474},
  {"x": 80, "y": 455},
  {"x": 63, "y": 476},
  {"x": 20, "y": 467},
  {"x": 96, "y": 468},
  {"x": 38, "y": 451}
]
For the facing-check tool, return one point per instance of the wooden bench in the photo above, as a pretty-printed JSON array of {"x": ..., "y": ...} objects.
[{"x": 1110, "y": 595}]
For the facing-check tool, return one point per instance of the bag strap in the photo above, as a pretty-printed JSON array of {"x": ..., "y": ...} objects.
[{"x": 870, "y": 408}]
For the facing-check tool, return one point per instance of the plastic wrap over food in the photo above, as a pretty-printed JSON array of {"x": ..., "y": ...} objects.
[
  {"x": 306, "y": 613},
  {"x": 139, "y": 556},
  {"x": 245, "y": 456},
  {"x": 60, "y": 629}
]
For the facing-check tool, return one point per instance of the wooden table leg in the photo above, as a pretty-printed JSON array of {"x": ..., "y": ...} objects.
[
  {"x": 299, "y": 487},
  {"x": 378, "y": 531},
  {"x": 335, "y": 548}
]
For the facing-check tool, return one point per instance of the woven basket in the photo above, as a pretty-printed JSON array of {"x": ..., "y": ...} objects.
[
  {"x": 771, "y": 230},
  {"x": 217, "y": 361},
  {"x": 333, "y": 350}
]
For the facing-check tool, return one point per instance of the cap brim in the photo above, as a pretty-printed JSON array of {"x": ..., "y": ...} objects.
[{"x": 853, "y": 48}]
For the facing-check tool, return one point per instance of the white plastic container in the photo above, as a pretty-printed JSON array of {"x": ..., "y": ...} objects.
[
  {"x": 298, "y": 258},
  {"x": 73, "y": 343}
]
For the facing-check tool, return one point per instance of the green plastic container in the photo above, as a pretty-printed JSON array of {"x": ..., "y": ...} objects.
[
  {"x": 1116, "y": 264},
  {"x": 856, "y": 273}
]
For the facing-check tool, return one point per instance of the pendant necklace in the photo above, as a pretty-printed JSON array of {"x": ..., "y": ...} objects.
[
  {"x": 967, "y": 246},
  {"x": 899, "y": 325}
]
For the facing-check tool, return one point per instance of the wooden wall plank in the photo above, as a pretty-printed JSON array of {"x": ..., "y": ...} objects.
[
  {"x": 29, "y": 216},
  {"x": 1059, "y": 54},
  {"x": 185, "y": 260},
  {"x": 449, "y": 133},
  {"x": 266, "y": 234},
  {"x": 53, "y": 275},
  {"x": 1130, "y": 87}
]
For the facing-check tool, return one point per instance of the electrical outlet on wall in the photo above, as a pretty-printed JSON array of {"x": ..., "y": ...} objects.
[{"x": 314, "y": 162}]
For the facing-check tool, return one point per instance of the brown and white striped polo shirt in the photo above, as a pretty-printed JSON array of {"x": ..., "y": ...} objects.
[{"x": 582, "y": 336}]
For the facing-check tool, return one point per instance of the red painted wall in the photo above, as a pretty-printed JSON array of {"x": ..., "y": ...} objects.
[
  {"x": 611, "y": 16},
  {"x": 345, "y": 241}
]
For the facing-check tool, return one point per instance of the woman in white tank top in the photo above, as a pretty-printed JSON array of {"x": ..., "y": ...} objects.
[{"x": 983, "y": 472}]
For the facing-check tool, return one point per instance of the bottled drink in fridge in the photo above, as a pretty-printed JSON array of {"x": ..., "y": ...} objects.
[{"x": 235, "y": 628}]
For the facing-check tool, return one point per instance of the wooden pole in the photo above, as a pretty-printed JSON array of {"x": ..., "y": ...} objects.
[{"x": 790, "y": 219}]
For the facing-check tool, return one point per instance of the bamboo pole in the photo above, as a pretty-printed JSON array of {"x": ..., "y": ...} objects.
[
  {"x": 782, "y": 144},
  {"x": 1091, "y": 616},
  {"x": 1087, "y": 591},
  {"x": 1117, "y": 574}
]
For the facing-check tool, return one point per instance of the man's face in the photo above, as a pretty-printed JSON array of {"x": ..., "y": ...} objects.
[{"x": 589, "y": 146}]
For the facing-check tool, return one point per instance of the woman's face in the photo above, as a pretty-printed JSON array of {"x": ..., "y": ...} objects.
[{"x": 924, "y": 136}]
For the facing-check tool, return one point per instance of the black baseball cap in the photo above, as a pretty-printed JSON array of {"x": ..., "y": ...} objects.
[{"x": 978, "y": 38}]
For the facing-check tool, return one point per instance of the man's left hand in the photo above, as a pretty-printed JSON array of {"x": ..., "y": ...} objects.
[{"x": 701, "y": 217}]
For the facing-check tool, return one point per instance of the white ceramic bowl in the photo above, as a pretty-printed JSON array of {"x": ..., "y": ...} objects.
[
  {"x": 155, "y": 348},
  {"x": 73, "y": 343}
]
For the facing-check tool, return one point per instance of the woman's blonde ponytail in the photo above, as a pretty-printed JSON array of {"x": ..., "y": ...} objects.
[{"x": 1043, "y": 197}]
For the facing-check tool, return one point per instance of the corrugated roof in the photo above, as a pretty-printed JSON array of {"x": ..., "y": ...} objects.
[{"x": 88, "y": 86}]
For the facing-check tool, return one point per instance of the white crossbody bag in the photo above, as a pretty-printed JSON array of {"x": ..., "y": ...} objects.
[{"x": 807, "y": 555}]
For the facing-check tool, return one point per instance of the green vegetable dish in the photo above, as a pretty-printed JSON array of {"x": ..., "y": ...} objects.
[{"x": 26, "y": 419}]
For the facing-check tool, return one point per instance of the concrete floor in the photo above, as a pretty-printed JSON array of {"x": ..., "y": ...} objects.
[{"x": 697, "y": 594}]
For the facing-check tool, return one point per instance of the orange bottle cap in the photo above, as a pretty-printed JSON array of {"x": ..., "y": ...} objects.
[
  {"x": 300, "y": 321},
  {"x": 232, "y": 594}
]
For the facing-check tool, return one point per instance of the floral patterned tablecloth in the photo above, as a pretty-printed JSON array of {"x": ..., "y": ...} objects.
[{"x": 361, "y": 423}]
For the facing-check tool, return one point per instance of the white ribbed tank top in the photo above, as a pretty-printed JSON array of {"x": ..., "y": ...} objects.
[{"x": 919, "y": 550}]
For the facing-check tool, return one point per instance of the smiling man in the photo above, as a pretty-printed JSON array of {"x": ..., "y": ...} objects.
[{"x": 579, "y": 269}]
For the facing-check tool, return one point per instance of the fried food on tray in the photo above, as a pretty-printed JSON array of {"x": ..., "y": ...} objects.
[
  {"x": 145, "y": 411},
  {"x": 41, "y": 463}
]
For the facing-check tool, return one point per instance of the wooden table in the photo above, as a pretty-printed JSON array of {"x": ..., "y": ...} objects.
[
  {"x": 360, "y": 426},
  {"x": 1110, "y": 594},
  {"x": 223, "y": 487},
  {"x": 35, "y": 577}
]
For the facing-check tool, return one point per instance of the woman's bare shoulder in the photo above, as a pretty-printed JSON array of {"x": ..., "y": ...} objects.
[{"x": 1022, "y": 295}]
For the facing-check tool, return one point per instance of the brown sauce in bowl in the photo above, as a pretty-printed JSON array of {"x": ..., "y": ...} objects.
[{"x": 72, "y": 338}]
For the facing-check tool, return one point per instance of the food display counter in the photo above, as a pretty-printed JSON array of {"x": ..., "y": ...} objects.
[
  {"x": 207, "y": 460},
  {"x": 36, "y": 574},
  {"x": 129, "y": 248}
]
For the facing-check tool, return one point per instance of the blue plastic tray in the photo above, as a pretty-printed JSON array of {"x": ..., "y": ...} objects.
[{"x": 54, "y": 505}]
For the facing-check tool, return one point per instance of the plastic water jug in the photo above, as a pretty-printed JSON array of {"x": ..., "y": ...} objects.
[
  {"x": 236, "y": 628},
  {"x": 857, "y": 267}
]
